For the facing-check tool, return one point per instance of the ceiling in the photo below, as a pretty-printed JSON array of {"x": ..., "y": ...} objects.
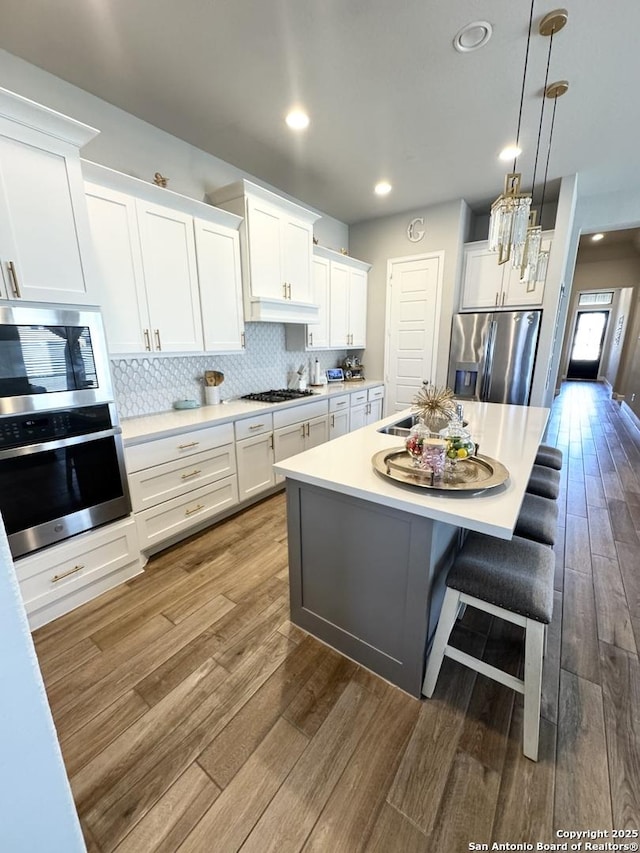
[{"x": 388, "y": 95}]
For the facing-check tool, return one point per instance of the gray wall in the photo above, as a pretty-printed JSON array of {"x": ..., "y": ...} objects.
[{"x": 379, "y": 240}]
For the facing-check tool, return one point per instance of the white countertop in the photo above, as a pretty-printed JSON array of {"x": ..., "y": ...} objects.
[
  {"x": 510, "y": 434},
  {"x": 176, "y": 421}
]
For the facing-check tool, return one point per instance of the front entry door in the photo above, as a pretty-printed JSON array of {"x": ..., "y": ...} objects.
[
  {"x": 586, "y": 348},
  {"x": 413, "y": 319}
]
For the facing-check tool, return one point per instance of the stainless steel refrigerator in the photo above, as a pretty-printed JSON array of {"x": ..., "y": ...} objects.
[{"x": 493, "y": 354}]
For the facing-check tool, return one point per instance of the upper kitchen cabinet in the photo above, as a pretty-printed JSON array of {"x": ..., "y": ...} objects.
[
  {"x": 45, "y": 248},
  {"x": 276, "y": 240},
  {"x": 169, "y": 267},
  {"x": 487, "y": 285},
  {"x": 348, "y": 303}
]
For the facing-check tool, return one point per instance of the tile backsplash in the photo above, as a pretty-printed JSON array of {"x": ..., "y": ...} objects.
[{"x": 144, "y": 385}]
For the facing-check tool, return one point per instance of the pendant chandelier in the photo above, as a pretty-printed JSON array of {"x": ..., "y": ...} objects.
[{"x": 514, "y": 232}]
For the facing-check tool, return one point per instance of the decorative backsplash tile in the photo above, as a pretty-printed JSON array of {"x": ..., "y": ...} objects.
[{"x": 144, "y": 385}]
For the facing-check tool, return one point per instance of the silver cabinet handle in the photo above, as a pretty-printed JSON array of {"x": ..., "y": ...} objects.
[
  {"x": 502, "y": 303},
  {"x": 308, "y": 429},
  {"x": 147, "y": 340},
  {"x": 303, "y": 430},
  {"x": 242, "y": 340},
  {"x": 192, "y": 474},
  {"x": 341, "y": 403},
  {"x": 14, "y": 279},
  {"x": 191, "y": 444},
  {"x": 310, "y": 339},
  {"x": 156, "y": 332},
  {"x": 195, "y": 509},
  {"x": 333, "y": 421},
  {"x": 497, "y": 297},
  {"x": 289, "y": 286},
  {"x": 271, "y": 442},
  {"x": 284, "y": 289},
  {"x": 256, "y": 426},
  {"x": 72, "y": 571}
]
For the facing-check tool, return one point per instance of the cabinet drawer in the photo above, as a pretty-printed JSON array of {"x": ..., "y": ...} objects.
[
  {"x": 300, "y": 414},
  {"x": 376, "y": 393},
  {"x": 359, "y": 397},
  {"x": 253, "y": 426},
  {"x": 337, "y": 404},
  {"x": 151, "y": 486},
  {"x": 173, "y": 517},
  {"x": 76, "y": 563},
  {"x": 161, "y": 450}
]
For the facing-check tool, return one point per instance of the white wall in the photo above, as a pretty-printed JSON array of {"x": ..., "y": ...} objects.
[
  {"x": 132, "y": 146},
  {"x": 378, "y": 240},
  {"x": 36, "y": 807}
]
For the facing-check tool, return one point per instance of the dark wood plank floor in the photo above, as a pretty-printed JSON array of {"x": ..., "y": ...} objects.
[{"x": 193, "y": 717}]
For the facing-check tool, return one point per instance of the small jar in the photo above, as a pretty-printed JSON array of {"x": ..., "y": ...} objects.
[
  {"x": 415, "y": 442},
  {"x": 460, "y": 445}
]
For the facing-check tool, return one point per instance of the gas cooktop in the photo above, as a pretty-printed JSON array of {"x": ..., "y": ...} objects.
[{"x": 281, "y": 395}]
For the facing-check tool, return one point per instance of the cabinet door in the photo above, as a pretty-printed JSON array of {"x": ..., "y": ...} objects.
[
  {"x": 289, "y": 440},
  {"x": 255, "y": 465},
  {"x": 218, "y": 256},
  {"x": 521, "y": 294},
  {"x": 338, "y": 423},
  {"x": 358, "y": 416},
  {"x": 42, "y": 220},
  {"x": 264, "y": 250},
  {"x": 120, "y": 280},
  {"x": 317, "y": 432},
  {"x": 357, "y": 308},
  {"x": 482, "y": 279},
  {"x": 171, "y": 278},
  {"x": 339, "y": 305},
  {"x": 296, "y": 247},
  {"x": 318, "y": 333},
  {"x": 375, "y": 411}
]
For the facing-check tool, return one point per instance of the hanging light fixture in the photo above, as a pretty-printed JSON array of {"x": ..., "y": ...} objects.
[
  {"x": 510, "y": 211},
  {"x": 534, "y": 259}
]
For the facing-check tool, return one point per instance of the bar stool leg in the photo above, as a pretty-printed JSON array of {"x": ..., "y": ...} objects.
[
  {"x": 446, "y": 622},
  {"x": 533, "y": 654}
]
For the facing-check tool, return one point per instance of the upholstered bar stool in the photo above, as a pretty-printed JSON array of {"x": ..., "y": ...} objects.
[
  {"x": 512, "y": 580},
  {"x": 544, "y": 482},
  {"x": 549, "y": 456},
  {"x": 538, "y": 519}
]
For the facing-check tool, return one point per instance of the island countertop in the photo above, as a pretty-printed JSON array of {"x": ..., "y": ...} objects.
[{"x": 510, "y": 434}]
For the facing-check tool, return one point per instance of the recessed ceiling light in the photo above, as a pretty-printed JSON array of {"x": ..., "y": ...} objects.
[
  {"x": 510, "y": 152},
  {"x": 382, "y": 188},
  {"x": 473, "y": 36},
  {"x": 297, "y": 119},
  {"x": 597, "y": 237}
]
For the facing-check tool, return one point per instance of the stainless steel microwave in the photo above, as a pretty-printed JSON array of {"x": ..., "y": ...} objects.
[{"x": 52, "y": 357}]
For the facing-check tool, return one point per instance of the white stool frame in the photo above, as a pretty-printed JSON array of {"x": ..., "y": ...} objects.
[{"x": 530, "y": 686}]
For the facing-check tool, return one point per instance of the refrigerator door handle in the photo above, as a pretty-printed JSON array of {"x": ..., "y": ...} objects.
[{"x": 488, "y": 361}]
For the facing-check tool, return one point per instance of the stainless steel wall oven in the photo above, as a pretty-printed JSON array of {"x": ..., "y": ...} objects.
[{"x": 61, "y": 455}]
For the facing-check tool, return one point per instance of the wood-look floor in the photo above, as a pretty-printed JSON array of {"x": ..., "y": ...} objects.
[{"x": 193, "y": 716}]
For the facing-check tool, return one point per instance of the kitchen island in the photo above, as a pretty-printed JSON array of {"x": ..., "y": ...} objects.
[{"x": 368, "y": 557}]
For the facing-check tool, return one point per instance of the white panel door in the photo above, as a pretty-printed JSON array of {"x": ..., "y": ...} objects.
[
  {"x": 481, "y": 279},
  {"x": 317, "y": 432},
  {"x": 339, "y": 305},
  {"x": 297, "y": 243},
  {"x": 318, "y": 333},
  {"x": 264, "y": 250},
  {"x": 218, "y": 253},
  {"x": 255, "y": 465},
  {"x": 338, "y": 423},
  {"x": 358, "y": 308},
  {"x": 120, "y": 284},
  {"x": 41, "y": 199},
  {"x": 171, "y": 277},
  {"x": 413, "y": 318}
]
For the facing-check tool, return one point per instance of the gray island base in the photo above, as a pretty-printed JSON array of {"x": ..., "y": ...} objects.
[{"x": 367, "y": 579}]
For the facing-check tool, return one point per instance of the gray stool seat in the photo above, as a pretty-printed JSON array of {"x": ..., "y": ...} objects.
[
  {"x": 538, "y": 519},
  {"x": 544, "y": 482},
  {"x": 516, "y": 575},
  {"x": 549, "y": 456}
]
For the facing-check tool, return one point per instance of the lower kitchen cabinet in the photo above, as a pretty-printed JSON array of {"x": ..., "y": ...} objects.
[
  {"x": 366, "y": 407},
  {"x": 64, "y": 576},
  {"x": 299, "y": 429},
  {"x": 339, "y": 415},
  {"x": 254, "y": 455}
]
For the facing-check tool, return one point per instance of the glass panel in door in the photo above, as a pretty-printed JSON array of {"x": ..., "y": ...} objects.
[{"x": 586, "y": 348}]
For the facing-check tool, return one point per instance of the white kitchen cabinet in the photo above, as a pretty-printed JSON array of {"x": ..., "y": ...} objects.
[
  {"x": 366, "y": 406},
  {"x": 220, "y": 283},
  {"x": 254, "y": 455},
  {"x": 348, "y": 303},
  {"x": 339, "y": 415},
  {"x": 317, "y": 334},
  {"x": 299, "y": 428},
  {"x": 60, "y": 578},
  {"x": 276, "y": 246},
  {"x": 487, "y": 285},
  {"x": 169, "y": 267},
  {"x": 45, "y": 247}
]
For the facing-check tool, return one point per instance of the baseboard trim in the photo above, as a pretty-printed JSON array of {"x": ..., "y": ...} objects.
[{"x": 631, "y": 415}]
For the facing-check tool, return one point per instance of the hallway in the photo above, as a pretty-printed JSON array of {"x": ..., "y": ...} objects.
[{"x": 192, "y": 715}]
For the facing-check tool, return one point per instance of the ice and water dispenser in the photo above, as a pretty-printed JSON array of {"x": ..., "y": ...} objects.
[{"x": 465, "y": 379}]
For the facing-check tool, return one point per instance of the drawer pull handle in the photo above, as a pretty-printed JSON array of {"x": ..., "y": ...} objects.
[
  {"x": 14, "y": 279},
  {"x": 341, "y": 403},
  {"x": 256, "y": 426},
  {"x": 195, "y": 509},
  {"x": 192, "y": 474},
  {"x": 191, "y": 444},
  {"x": 66, "y": 574}
]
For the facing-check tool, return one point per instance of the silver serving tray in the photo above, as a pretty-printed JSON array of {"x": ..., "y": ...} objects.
[{"x": 473, "y": 474}]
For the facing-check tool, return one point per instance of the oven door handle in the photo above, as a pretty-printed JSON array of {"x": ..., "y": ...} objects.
[{"x": 60, "y": 443}]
